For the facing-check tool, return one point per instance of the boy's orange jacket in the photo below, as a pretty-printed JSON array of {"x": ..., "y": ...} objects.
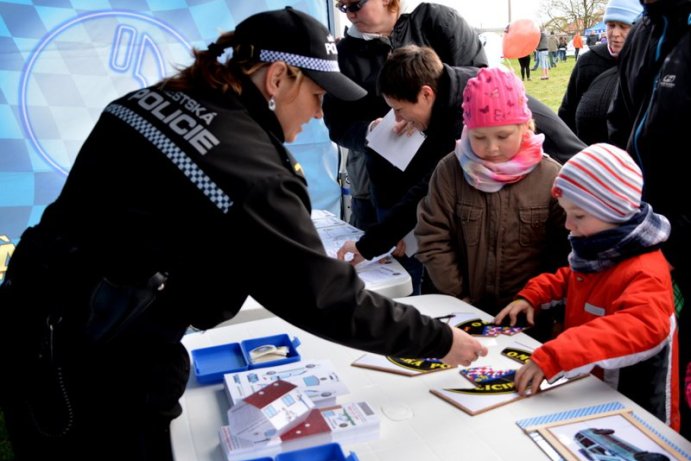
[{"x": 619, "y": 323}]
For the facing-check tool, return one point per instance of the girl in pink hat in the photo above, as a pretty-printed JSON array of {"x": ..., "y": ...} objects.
[{"x": 488, "y": 222}]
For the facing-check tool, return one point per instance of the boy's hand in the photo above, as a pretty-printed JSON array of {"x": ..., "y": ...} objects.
[
  {"x": 513, "y": 309},
  {"x": 528, "y": 378}
]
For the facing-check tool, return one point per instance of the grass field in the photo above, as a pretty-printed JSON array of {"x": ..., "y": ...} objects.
[{"x": 549, "y": 92}]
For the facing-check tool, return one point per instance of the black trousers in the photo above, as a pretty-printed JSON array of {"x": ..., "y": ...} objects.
[
  {"x": 525, "y": 67},
  {"x": 98, "y": 408},
  {"x": 69, "y": 400}
]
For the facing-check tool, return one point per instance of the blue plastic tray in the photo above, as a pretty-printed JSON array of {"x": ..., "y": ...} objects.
[
  {"x": 211, "y": 363},
  {"x": 327, "y": 452}
]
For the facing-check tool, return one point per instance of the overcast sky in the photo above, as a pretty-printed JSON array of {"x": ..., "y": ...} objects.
[{"x": 485, "y": 14}]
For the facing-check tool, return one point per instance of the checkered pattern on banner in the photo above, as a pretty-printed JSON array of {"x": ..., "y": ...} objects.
[
  {"x": 64, "y": 61},
  {"x": 175, "y": 154}
]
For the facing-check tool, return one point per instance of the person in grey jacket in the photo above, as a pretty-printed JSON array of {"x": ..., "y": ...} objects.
[
  {"x": 182, "y": 202},
  {"x": 553, "y": 48},
  {"x": 542, "y": 57}
]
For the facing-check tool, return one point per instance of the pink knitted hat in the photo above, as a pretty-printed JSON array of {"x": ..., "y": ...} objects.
[{"x": 494, "y": 97}]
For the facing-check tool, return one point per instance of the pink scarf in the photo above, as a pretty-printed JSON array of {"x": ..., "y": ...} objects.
[{"x": 490, "y": 176}]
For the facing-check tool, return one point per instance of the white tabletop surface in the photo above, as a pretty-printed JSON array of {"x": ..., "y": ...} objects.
[
  {"x": 415, "y": 424},
  {"x": 386, "y": 276}
]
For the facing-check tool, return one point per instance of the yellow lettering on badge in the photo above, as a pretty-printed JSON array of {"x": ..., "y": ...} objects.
[
  {"x": 498, "y": 387},
  {"x": 6, "y": 250},
  {"x": 518, "y": 356}
]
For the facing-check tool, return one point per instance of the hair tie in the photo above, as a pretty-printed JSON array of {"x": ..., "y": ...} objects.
[
  {"x": 215, "y": 49},
  {"x": 244, "y": 53}
]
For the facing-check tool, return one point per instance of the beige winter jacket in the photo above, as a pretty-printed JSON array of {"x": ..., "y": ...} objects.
[{"x": 483, "y": 247}]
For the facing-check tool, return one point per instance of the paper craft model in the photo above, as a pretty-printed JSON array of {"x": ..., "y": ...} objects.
[
  {"x": 271, "y": 411},
  {"x": 317, "y": 379}
]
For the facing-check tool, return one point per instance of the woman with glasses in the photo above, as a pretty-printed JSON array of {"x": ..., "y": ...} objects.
[
  {"x": 378, "y": 27},
  {"x": 351, "y": 7}
]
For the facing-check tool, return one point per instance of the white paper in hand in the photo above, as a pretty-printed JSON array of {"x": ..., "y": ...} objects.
[
  {"x": 397, "y": 149},
  {"x": 410, "y": 244}
]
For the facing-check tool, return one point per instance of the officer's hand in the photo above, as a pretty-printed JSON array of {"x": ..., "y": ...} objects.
[{"x": 464, "y": 350}]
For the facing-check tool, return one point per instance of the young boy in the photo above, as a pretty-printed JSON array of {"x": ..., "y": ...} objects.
[{"x": 619, "y": 318}]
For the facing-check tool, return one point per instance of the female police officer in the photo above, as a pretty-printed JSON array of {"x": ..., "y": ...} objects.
[{"x": 181, "y": 203}]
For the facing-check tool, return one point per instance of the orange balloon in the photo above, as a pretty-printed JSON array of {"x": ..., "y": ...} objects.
[{"x": 521, "y": 38}]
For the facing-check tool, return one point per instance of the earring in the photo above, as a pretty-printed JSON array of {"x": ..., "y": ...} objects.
[{"x": 272, "y": 104}]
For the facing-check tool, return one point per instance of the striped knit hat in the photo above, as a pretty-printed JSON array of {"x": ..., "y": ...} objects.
[{"x": 604, "y": 181}]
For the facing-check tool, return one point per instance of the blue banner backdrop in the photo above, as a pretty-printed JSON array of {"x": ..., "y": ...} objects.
[{"x": 64, "y": 60}]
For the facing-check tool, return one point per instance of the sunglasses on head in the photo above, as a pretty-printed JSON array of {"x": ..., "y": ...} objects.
[{"x": 353, "y": 7}]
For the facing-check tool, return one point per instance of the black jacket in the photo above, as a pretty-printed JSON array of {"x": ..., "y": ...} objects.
[
  {"x": 400, "y": 191},
  {"x": 651, "y": 115},
  {"x": 436, "y": 26},
  {"x": 197, "y": 186},
  {"x": 591, "y": 113},
  {"x": 586, "y": 69}
]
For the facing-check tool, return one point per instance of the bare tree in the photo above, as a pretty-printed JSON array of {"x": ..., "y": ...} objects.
[{"x": 572, "y": 15}]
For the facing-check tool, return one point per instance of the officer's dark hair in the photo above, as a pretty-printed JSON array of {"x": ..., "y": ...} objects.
[
  {"x": 406, "y": 70},
  {"x": 208, "y": 71}
]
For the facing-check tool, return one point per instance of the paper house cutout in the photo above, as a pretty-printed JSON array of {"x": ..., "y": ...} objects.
[
  {"x": 269, "y": 412},
  {"x": 317, "y": 378}
]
